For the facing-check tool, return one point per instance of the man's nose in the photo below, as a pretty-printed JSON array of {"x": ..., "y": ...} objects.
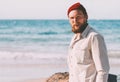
[{"x": 75, "y": 20}]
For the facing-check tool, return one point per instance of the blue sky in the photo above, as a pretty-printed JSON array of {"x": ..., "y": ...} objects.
[{"x": 57, "y": 9}]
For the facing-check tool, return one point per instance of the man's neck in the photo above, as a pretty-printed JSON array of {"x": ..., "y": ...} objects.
[{"x": 77, "y": 36}]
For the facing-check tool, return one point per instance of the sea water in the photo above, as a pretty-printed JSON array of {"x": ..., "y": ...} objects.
[
  {"x": 47, "y": 39},
  {"x": 31, "y": 49}
]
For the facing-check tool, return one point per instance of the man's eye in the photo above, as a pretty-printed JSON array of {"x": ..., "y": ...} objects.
[
  {"x": 79, "y": 17},
  {"x": 71, "y": 17}
]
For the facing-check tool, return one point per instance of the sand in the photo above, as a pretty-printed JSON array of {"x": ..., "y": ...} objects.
[
  {"x": 37, "y": 80},
  {"x": 41, "y": 72}
]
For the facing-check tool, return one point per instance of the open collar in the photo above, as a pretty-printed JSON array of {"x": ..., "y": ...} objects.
[{"x": 85, "y": 32}]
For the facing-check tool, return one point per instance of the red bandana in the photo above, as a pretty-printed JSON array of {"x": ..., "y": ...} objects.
[{"x": 73, "y": 7}]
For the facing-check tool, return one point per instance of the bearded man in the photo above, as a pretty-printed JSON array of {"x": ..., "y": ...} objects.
[{"x": 87, "y": 59}]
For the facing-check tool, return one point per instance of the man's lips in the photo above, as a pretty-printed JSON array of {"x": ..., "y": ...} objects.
[{"x": 75, "y": 25}]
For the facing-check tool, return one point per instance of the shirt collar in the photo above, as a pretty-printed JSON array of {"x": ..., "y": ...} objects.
[{"x": 85, "y": 32}]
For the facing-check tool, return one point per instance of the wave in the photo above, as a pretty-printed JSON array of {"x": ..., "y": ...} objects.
[
  {"x": 30, "y": 58},
  {"x": 49, "y": 36}
]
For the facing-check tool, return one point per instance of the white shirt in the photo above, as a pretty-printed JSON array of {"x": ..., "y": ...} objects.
[{"x": 87, "y": 59}]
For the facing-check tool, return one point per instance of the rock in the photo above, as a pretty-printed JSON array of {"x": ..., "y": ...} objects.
[
  {"x": 63, "y": 77},
  {"x": 59, "y": 77}
]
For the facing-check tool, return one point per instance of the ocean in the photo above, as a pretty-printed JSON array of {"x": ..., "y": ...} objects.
[
  {"x": 48, "y": 39},
  {"x": 33, "y": 49}
]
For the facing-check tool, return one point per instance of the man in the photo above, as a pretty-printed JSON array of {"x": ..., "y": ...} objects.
[{"x": 87, "y": 59}]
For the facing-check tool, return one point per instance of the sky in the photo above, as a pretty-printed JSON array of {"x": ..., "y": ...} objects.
[{"x": 57, "y": 9}]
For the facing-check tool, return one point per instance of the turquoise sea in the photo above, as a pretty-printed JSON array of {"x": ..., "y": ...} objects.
[{"x": 40, "y": 39}]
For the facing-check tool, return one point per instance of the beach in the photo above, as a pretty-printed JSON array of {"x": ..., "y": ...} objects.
[
  {"x": 41, "y": 72},
  {"x": 27, "y": 72},
  {"x": 34, "y": 50}
]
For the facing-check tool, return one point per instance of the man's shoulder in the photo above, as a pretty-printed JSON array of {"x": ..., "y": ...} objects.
[{"x": 94, "y": 33}]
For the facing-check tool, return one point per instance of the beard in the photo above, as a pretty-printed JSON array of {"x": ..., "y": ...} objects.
[{"x": 79, "y": 29}]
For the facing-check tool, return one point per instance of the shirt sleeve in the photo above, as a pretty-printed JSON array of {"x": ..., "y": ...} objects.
[{"x": 100, "y": 58}]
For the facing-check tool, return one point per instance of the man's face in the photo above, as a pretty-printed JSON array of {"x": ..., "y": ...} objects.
[{"x": 77, "y": 20}]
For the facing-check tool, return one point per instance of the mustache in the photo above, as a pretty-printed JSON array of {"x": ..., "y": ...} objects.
[{"x": 76, "y": 25}]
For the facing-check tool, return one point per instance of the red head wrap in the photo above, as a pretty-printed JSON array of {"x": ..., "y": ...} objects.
[{"x": 76, "y": 6}]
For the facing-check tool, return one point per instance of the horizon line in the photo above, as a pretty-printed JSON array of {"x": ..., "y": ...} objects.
[{"x": 50, "y": 19}]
